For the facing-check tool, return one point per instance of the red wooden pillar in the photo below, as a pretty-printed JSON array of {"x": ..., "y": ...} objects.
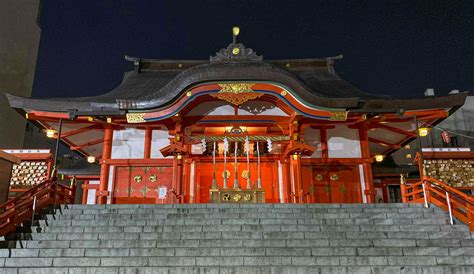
[
  {"x": 104, "y": 168},
  {"x": 365, "y": 150},
  {"x": 177, "y": 178},
  {"x": 147, "y": 149},
  {"x": 295, "y": 176},
  {"x": 286, "y": 181},
  {"x": 85, "y": 191},
  {"x": 324, "y": 143}
]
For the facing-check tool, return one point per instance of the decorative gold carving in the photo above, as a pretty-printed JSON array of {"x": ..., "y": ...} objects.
[
  {"x": 135, "y": 117},
  {"x": 226, "y": 174},
  {"x": 245, "y": 174},
  {"x": 338, "y": 116},
  {"x": 334, "y": 177},
  {"x": 283, "y": 93},
  {"x": 319, "y": 177},
  {"x": 153, "y": 178},
  {"x": 144, "y": 190},
  {"x": 236, "y": 87},
  {"x": 237, "y": 93},
  {"x": 189, "y": 93},
  {"x": 235, "y": 51},
  {"x": 237, "y": 197},
  {"x": 137, "y": 178}
]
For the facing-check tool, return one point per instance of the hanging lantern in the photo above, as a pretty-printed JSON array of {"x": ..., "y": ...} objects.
[
  {"x": 379, "y": 158},
  {"x": 295, "y": 156},
  {"x": 50, "y": 133},
  {"x": 446, "y": 137},
  {"x": 91, "y": 159},
  {"x": 423, "y": 131},
  {"x": 179, "y": 156}
]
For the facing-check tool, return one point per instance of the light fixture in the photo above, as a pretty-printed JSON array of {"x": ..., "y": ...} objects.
[
  {"x": 407, "y": 147},
  {"x": 109, "y": 120},
  {"x": 423, "y": 131},
  {"x": 50, "y": 133},
  {"x": 90, "y": 119},
  {"x": 179, "y": 156},
  {"x": 91, "y": 159},
  {"x": 379, "y": 158},
  {"x": 295, "y": 156},
  {"x": 408, "y": 156}
]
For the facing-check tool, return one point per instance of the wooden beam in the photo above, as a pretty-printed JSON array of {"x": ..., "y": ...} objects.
[
  {"x": 91, "y": 143},
  {"x": 80, "y": 130},
  {"x": 383, "y": 143},
  {"x": 394, "y": 129}
]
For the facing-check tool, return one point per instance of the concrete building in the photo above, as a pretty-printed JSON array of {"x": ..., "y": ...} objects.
[{"x": 19, "y": 41}]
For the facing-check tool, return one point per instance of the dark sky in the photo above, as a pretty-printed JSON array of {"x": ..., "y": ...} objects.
[{"x": 398, "y": 48}]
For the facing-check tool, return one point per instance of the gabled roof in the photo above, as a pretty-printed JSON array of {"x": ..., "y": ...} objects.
[{"x": 156, "y": 83}]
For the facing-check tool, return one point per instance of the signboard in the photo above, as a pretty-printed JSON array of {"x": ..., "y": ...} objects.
[{"x": 162, "y": 192}]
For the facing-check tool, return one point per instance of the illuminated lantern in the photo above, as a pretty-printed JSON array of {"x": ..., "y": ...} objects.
[
  {"x": 423, "y": 131},
  {"x": 50, "y": 133},
  {"x": 379, "y": 158},
  {"x": 91, "y": 159}
]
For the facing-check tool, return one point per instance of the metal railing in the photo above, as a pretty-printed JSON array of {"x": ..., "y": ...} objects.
[{"x": 432, "y": 191}]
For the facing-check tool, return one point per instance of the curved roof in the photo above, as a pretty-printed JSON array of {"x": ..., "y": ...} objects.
[{"x": 157, "y": 83}]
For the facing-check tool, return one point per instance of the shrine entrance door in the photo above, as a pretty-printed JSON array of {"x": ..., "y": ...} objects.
[
  {"x": 142, "y": 184},
  {"x": 331, "y": 184}
]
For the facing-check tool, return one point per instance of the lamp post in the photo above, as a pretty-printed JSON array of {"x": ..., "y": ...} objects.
[{"x": 55, "y": 166}]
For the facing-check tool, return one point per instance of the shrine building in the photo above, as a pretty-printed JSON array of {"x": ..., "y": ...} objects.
[{"x": 236, "y": 128}]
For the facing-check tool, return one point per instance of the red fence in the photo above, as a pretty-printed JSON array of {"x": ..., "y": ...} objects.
[
  {"x": 430, "y": 190},
  {"x": 21, "y": 208}
]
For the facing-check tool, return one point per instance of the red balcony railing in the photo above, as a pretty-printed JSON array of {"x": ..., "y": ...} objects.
[
  {"x": 23, "y": 207},
  {"x": 432, "y": 191}
]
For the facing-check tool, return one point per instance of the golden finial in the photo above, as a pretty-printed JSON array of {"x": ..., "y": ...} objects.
[{"x": 235, "y": 33}]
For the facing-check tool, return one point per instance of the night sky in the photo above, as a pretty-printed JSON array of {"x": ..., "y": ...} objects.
[{"x": 398, "y": 48}]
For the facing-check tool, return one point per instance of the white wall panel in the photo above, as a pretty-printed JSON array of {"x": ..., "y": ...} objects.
[{"x": 343, "y": 142}]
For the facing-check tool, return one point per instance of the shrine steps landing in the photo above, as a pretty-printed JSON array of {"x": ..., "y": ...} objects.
[{"x": 261, "y": 238}]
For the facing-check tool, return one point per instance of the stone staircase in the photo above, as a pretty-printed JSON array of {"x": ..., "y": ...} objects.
[{"x": 267, "y": 238}]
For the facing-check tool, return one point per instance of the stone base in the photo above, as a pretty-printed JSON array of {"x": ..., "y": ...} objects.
[{"x": 237, "y": 196}]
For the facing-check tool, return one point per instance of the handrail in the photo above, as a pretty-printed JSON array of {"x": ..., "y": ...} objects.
[
  {"x": 23, "y": 207},
  {"x": 455, "y": 202}
]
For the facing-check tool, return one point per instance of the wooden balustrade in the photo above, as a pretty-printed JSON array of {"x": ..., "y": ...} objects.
[
  {"x": 20, "y": 209},
  {"x": 462, "y": 204}
]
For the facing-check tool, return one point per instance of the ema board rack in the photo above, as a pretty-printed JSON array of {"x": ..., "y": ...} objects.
[{"x": 34, "y": 168}]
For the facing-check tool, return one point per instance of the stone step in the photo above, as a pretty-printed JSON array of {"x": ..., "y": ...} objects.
[
  {"x": 314, "y": 242},
  {"x": 163, "y": 261},
  {"x": 131, "y": 231},
  {"x": 239, "y": 251},
  {"x": 166, "y": 219},
  {"x": 224, "y": 206},
  {"x": 300, "y": 211},
  {"x": 246, "y": 269}
]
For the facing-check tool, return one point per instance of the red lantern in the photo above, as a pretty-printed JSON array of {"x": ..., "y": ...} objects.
[{"x": 446, "y": 137}]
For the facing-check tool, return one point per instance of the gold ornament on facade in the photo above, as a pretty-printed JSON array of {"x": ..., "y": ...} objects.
[
  {"x": 338, "y": 116},
  {"x": 189, "y": 93},
  {"x": 283, "y": 93},
  {"x": 334, "y": 177},
  {"x": 236, "y": 88},
  {"x": 237, "y": 197},
  {"x": 245, "y": 174},
  {"x": 247, "y": 197},
  {"x": 226, "y": 174},
  {"x": 137, "y": 178},
  {"x": 226, "y": 197},
  {"x": 235, "y": 51},
  {"x": 319, "y": 177},
  {"x": 135, "y": 117},
  {"x": 153, "y": 178}
]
